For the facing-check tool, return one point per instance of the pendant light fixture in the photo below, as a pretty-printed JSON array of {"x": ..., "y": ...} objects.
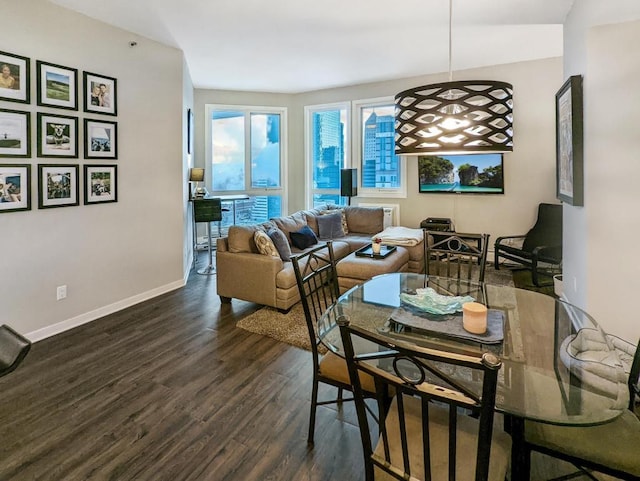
[{"x": 469, "y": 116}]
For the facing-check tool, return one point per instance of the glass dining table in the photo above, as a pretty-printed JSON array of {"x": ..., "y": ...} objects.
[{"x": 557, "y": 365}]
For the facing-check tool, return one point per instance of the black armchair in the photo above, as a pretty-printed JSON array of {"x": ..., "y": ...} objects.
[{"x": 541, "y": 249}]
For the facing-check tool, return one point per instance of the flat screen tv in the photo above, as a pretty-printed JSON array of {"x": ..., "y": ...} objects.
[{"x": 461, "y": 174}]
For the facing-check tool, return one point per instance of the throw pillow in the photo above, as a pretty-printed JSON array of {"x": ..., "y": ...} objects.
[
  {"x": 264, "y": 244},
  {"x": 280, "y": 241},
  {"x": 303, "y": 238},
  {"x": 330, "y": 226},
  {"x": 332, "y": 210}
]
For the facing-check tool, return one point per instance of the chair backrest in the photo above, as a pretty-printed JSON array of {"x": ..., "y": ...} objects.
[
  {"x": 425, "y": 389},
  {"x": 461, "y": 256},
  {"x": 13, "y": 349},
  {"x": 634, "y": 380},
  {"x": 207, "y": 210},
  {"x": 317, "y": 282},
  {"x": 547, "y": 231}
]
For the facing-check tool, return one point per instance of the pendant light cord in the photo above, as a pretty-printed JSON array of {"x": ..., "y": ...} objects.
[{"x": 450, "y": 28}]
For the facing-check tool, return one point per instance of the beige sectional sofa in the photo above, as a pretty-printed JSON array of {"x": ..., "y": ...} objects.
[{"x": 244, "y": 273}]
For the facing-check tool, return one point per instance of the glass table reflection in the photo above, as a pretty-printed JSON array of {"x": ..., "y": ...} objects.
[{"x": 544, "y": 376}]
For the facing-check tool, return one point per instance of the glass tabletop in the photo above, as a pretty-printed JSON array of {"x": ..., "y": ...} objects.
[{"x": 558, "y": 366}]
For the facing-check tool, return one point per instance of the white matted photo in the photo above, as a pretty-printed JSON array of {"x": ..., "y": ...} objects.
[
  {"x": 100, "y": 139},
  {"x": 15, "y": 188},
  {"x": 14, "y": 78},
  {"x": 57, "y": 86},
  {"x": 100, "y": 184},
  {"x": 57, "y": 136},
  {"x": 100, "y": 94},
  {"x": 15, "y": 127},
  {"x": 57, "y": 186}
]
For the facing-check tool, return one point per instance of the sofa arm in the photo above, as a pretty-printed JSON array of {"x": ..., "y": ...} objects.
[{"x": 247, "y": 276}]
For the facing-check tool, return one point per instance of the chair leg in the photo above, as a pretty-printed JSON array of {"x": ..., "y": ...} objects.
[
  {"x": 312, "y": 414},
  {"x": 339, "y": 397}
]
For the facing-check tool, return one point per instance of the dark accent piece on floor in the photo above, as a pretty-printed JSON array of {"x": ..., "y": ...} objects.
[{"x": 522, "y": 279}]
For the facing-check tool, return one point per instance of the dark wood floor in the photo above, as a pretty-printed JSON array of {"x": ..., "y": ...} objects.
[{"x": 170, "y": 389}]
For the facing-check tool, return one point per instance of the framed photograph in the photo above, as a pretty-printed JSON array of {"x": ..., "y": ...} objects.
[
  {"x": 15, "y": 188},
  {"x": 189, "y": 131},
  {"x": 57, "y": 186},
  {"x": 100, "y": 94},
  {"x": 569, "y": 142},
  {"x": 57, "y": 136},
  {"x": 100, "y": 139},
  {"x": 14, "y": 78},
  {"x": 100, "y": 184},
  {"x": 57, "y": 86},
  {"x": 15, "y": 138}
]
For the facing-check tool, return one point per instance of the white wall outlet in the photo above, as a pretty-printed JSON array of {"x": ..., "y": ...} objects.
[{"x": 61, "y": 292}]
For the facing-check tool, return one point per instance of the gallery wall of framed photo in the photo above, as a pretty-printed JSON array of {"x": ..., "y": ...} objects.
[{"x": 58, "y": 134}]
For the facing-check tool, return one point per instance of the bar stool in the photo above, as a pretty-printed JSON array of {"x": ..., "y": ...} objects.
[
  {"x": 207, "y": 210},
  {"x": 13, "y": 349}
]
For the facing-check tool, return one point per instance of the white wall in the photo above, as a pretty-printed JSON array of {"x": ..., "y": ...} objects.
[
  {"x": 109, "y": 255},
  {"x": 529, "y": 169}
]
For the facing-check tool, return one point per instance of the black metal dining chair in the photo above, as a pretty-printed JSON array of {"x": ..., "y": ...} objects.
[
  {"x": 455, "y": 255},
  {"x": 610, "y": 448},
  {"x": 13, "y": 349},
  {"x": 427, "y": 432},
  {"x": 317, "y": 282}
]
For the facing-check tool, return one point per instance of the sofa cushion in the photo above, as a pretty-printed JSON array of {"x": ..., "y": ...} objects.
[
  {"x": 290, "y": 223},
  {"x": 279, "y": 239},
  {"x": 330, "y": 226},
  {"x": 364, "y": 220},
  {"x": 241, "y": 238},
  {"x": 303, "y": 238},
  {"x": 264, "y": 244}
]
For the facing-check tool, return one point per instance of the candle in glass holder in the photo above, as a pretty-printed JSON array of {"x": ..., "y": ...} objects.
[{"x": 474, "y": 317}]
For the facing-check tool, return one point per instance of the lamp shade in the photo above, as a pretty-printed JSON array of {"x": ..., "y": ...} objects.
[
  {"x": 196, "y": 175},
  {"x": 455, "y": 117}
]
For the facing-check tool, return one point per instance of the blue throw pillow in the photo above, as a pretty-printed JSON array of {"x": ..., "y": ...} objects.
[
  {"x": 280, "y": 241},
  {"x": 304, "y": 238},
  {"x": 330, "y": 226}
]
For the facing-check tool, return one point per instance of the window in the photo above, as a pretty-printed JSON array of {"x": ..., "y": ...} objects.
[
  {"x": 246, "y": 154},
  {"x": 327, "y": 151},
  {"x": 381, "y": 171}
]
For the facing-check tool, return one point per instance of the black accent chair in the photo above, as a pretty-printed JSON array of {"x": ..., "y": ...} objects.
[
  {"x": 541, "y": 250},
  {"x": 610, "y": 448},
  {"x": 456, "y": 255},
  {"x": 13, "y": 349},
  {"x": 317, "y": 282},
  {"x": 425, "y": 432}
]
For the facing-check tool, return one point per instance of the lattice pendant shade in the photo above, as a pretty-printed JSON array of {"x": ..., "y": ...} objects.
[{"x": 455, "y": 117}]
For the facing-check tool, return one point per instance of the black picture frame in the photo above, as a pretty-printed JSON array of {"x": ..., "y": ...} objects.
[
  {"x": 189, "y": 131},
  {"x": 57, "y": 86},
  {"x": 100, "y": 139},
  {"x": 15, "y": 133},
  {"x": 100, "y": 184},
  {"x": 105, "y": 99},
  {"x": 57, "y": 136},
  {"x": 15, "y": 187},
  {"x": 15, "y": 85},
  {"x": 569, "y": 142},
  {"x": 58, "y": 186}
]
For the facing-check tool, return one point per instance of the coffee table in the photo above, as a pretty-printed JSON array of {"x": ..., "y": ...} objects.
[{"x": 354, "y": 269}]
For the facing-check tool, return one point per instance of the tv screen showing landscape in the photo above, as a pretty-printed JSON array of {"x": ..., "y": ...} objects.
[{"x": 461, "y": 174}]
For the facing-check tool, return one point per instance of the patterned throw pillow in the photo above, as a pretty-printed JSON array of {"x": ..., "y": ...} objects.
[{"x": 264, "y": 244}]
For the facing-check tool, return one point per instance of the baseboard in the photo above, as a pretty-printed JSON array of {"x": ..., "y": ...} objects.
[{"x": 63, "y": 326}]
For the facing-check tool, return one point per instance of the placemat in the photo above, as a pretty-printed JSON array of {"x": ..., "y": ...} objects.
[{"x": 450, "y": 325}]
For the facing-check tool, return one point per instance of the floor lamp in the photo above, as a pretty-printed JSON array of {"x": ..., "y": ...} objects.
[{"x": 207, "y": 210}]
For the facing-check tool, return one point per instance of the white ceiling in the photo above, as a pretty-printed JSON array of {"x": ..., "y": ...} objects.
[{"x": 301, "y": 45}]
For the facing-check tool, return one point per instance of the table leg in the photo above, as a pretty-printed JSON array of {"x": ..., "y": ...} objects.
[{"x": 520, "y": 455}]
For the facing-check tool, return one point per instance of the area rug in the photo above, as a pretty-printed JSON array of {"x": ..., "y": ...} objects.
[{"x": 291, "y": 328}]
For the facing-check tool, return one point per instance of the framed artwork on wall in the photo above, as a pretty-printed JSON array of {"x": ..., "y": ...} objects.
[
  {"x": 100, "y": 94},
  {"x": 569, "y": 142},
  {"x": 15, "y": 138},
  {"x": 15, "y": 188},
  {"x": 57, "y": 136},
  {"x": 100, "y": 139},
  {"x": 15, "y": 78},
  {"x": 100, "y": 184},
  {"x": 57, "y": 186},
  {"x": 57, "y": 86}
]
